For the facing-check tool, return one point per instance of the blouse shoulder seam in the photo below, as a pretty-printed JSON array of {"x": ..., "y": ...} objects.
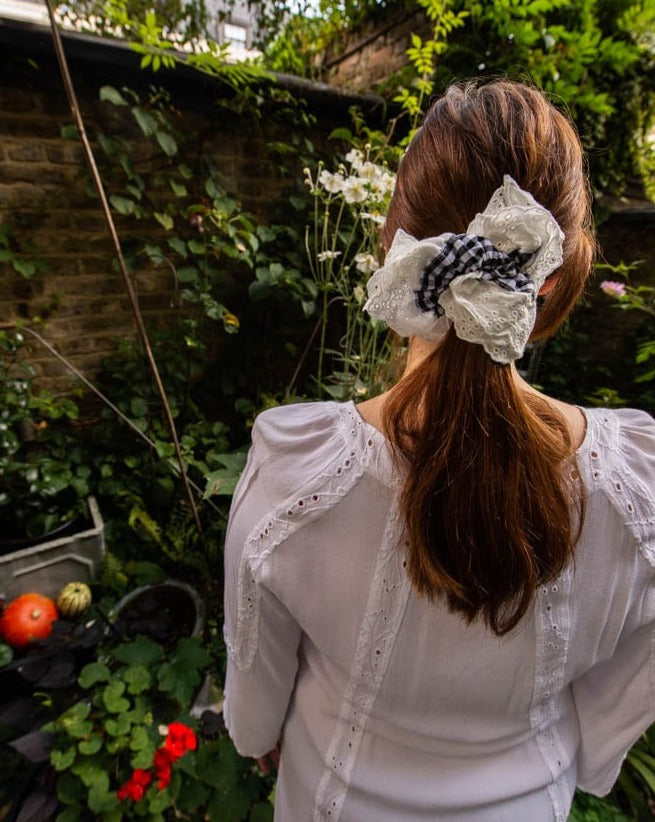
[
  {"x": 319, "y": 493},
  {"x": 610, "y": 474}
]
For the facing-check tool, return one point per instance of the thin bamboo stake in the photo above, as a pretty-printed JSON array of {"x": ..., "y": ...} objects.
[{"x": 143, "y": 334}]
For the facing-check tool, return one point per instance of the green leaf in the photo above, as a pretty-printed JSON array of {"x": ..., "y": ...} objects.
[
  {"x": 69, "y": 789},
  {"x": 122, "y": 204},
  {"x": 261, "y": 812},
  {"x": 197, "y": 246},
  {"x": 177, "y": 244},
  {"x": 145, "y": 573},
  {"x": 181, "y": 675},
  {"x": 90, "y": 746},
  {"x": 138, "y": 679},
  {"x": 179, "y": 189},
  {"x": 164, "y": 220},
  {"x": 73, "y": 721},
  {"x": 6, "y": 654},
  {"x": 69, "y": 132},
  {"x": 341, "y": 134},
  {"x": 139, "y": 739},
  {"x": 646, "y": 772},
  {"x": 109, "y": 94},
  {"x": 167, "y": 143},
  {"x": 145, "y": 121},
  {"x": 154, "y": 252},
  {"x": 101, "y": 799},
  {"x": 119, "y": 726},
  {"x": 70, "y": 814},
  {"x": 221, "y": 482},
  {"x": 228, "y": 806},
  {"x": 142, "y": 651},
  {"x": 187, "y": 274},
  {"x": 113, "y": 699},
  {"x": 116, "y": 744},
  {"x": 62, "y": 760},
  {"x": 92, "y": 673},
  {"x": 194, "y": 796},
  {"x": 160, "y": 801},
  {"x": 185, "y": 171},
  {"x": 143, "y": 748},
  {"x": 26, "y": 268},
  {"x": 138, "y": 407},
  {"x": 91, "y": 773}
]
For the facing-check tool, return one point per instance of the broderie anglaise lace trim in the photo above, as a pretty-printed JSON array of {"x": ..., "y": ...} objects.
[
  {"x": 552, "y": 625},
  {"x": 387, "y": 600},
  {"x": 613, "y": 473},
  {"x": 481, "y": 312},
  {"x": 319, "y": 495}
]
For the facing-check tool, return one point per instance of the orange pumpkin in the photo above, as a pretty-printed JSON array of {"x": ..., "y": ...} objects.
[{"x": 27, "y": 618}]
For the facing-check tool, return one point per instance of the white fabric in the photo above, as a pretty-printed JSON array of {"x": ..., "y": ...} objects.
[
  {"x": 481, "y": 311},
  {"x": 392, "y": 708}
]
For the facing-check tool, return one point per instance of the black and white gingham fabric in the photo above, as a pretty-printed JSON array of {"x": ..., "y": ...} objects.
[{"x": 463, "y": 253}]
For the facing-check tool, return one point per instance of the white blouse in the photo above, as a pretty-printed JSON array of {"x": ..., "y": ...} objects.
[{"x": 392, "y": 708}]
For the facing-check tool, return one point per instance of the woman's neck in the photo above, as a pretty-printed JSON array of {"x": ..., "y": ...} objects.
[{"x": 373, "y": 410}]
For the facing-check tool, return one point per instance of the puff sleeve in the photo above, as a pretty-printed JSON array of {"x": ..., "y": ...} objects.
[
  {"x": 615, "y": 697},
  {"x": 289, "y": 446}
]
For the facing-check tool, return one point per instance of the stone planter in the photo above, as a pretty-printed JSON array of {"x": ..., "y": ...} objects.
[{"x": 47, "y": 566}]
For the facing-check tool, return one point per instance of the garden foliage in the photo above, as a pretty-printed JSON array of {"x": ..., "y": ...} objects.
[{"x": 284, "y": 300}]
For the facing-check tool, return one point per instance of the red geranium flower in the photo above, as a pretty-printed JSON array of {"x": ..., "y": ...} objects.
[
  {"x": 180, "y": 739},
  {"x": 135, "y": 786},
  {"x": 163, "y": 761}
]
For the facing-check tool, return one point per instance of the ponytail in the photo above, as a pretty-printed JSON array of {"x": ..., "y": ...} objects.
[
  {"x": 486, "y": 500},
  {"x": 486, "y": 511}
]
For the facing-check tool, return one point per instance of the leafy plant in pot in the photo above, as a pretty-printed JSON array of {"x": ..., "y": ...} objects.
[
  {"x": 44, "y": 480},
  {"x": 129, "y": 745}
]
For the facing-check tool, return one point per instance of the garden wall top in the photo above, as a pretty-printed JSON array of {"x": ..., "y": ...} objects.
[{"x": 45, "y": 199}]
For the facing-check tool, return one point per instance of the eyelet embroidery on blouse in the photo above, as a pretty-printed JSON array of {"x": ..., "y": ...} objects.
[
  {"x": 295, "y": 512},
  {"x": 376, "y": 457},
  {"x": 626, "y": 491},
  {"x": 387, "y": 600},
  {"x": 553, "y": 623}
]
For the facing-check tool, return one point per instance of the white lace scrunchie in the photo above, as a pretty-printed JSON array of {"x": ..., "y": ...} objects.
[{"x": 489, "y": 297}]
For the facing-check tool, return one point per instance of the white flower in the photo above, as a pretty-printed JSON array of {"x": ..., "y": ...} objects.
[
  {"x": 366, "y": 263},
  {"x": 328, "y": 255},
  {"x": 369, "y": 171},
  {"x": 384, "y": 183},
  {"x": 332, "y": 183},
  {"x": 374, "y": 218},
  {"x": 359, "y": 294},
  {"x": 355, "y": 158},
  {"x": 354, "y": 190}
]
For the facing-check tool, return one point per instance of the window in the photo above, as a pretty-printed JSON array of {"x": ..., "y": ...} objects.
[{"x": 236, "y": 36}]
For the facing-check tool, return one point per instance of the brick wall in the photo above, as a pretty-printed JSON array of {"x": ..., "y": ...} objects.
[
  {"x": 44, "y": 186},
  {"x": 368, "y": 56}
]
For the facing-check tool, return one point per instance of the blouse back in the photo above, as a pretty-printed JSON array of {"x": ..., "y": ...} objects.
[{"x": 392, "y": 706}]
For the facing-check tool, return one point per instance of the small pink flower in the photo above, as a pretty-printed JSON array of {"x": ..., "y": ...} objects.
[{"x": 613, "y": 288}]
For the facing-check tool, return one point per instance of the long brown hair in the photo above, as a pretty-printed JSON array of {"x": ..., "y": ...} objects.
[{"x": 486, "y": 502}]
